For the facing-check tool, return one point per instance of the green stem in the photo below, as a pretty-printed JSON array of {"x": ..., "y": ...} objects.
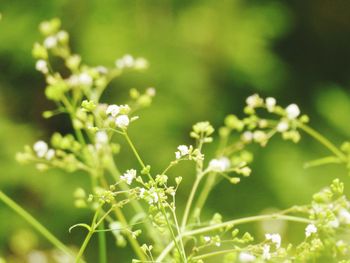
[
  {"x": 83, "y": 246},
  {"x": 215, "y": 253},
  {"x": 34, "y": 223},
  {"x": 102, "y": 244},
  {"x": 324, "y": 141},
  {"x": 190, "y": 201},
  {"x": 231, "y": 223}
]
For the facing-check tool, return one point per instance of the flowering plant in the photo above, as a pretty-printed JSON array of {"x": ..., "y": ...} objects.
[{"x": 157, "y": 231}]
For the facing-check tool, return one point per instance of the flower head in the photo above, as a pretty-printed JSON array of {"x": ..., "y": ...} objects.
[
  {"x": 219, "y": 165},
  {"x": 113, "y": 110},
  {"x": 128, "y": 176},
  {"x": 275, "y": 238},
  {"x": 292, "y": 111},
  {"x": 310, "y": 229},
  {"x": 270, "y": 104},
  {"x": 183, "y": 150},
  {"x": 122, "y": 121},
  {"x": 246, "y": 257},
  {"x": 41, "y": 66},
  {"x": 40, "y": 148}
]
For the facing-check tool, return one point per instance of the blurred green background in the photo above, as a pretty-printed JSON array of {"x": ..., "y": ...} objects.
[{"x": 205, "y": 58}]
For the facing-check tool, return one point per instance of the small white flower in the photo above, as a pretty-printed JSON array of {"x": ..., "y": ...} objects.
[
  {"x": 122, "y": 121},
  {"x": 113, "y": 110},
  {"x": 142, "y": 192},
  {"x": 115, "y": 227},
  {"x": 151, "y": 92},
  {"x": 41, "y": 66},
  {"x": 128, "y": 176},
  {"x": 50, "y": 42},
  {"x": 246, "y": 257},
  {"x": 334, "y": 223},
  {"x": 141, "y": 63},
  {"x": 275, "y": 238},
  {"x": 50, "y": 154},
  {"x": 62, "y": 36},
  {"x": 207, "y": 238},
  {"x": 128, "y": 60},
  {"x": 101, "y": 137},
  {"x": 219, "y": 165},
  {"x": 85, "y": 79},
  {"x": 247, "y": 136},
  {"x": 266, "y": 252},
  {"x": 183, "y": 150},
  {"x": 153, "y": 196},
  {"x": 292, "y": 111},
  {"x": 270, "y": 104},
  {"x": 282, "y": 126},
  {"x": 41, "y": 148},
  {"x": 310, "y": 229},
  {"x": 254, "y": 101},
  {"x": 259, "y": 136},
  {"x": 344, "y": 216}
]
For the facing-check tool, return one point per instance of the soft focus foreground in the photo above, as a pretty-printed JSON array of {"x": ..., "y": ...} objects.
[{"x": 278, "y": 181}]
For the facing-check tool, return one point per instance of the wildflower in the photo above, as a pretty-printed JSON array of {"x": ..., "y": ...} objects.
[
  {"x": 275, "y": 238},
  {"x": 85, "y": 79},
  {"x": 62, "y": 36},
  {"x": 151, "y": 92},
  {"x": 270, "y": 104},
  {"x": 41, "y": 148},
  {"x": 153, "y": 196},
  {"x": 122, "y": 121},
  {"x": 344, "y": 216},
  {"x": 254, "y": 101},
  {"x": 282, "y": 126},
  {"x": 247, "y": 136},
  {"x": 259, "y": 136},
  {"x": 266, "y": 252},
  {"x": 142, "y": 192},
  {"x": 207, "y": 238},
  {"x": 113, "y": 110},
  {"x": 219, "y": 165},
  {"x": 292, "y": 111},
  {"x": 128, "y": 60},
  {"x": 129, "y": 176},
  {"x": 50, "y": 154},
  {"x": 246, "y": 257},
  {"x": 50, "y": 42},
  {"x": 310, "y": 229},
  {"x": 101, "y": 137},
  {"x": 41, "y": 66},
  {"x": 183, "y": 150}
]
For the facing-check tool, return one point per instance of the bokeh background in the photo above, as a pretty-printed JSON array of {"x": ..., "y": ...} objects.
[{"x": 205, "y": 58}]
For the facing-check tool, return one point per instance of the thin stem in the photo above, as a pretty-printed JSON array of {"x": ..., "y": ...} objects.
[
  {"x": 34, "y": 223},
  {"x": 190, "y": 201},
  {"x": 323, "y": 140},
  {"x": 215, "y": 253},
  {"x": 102, "y": 244},
  {"x": 233, "y": 222}
]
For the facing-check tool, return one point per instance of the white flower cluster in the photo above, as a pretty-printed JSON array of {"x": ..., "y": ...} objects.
[
  {"x": 183, "y": 150},
  {"x": 219, "y": 165},
  {"x": 120, "y": 114},
  {"x": 53, "y": 40},
  {"x": 128, "y": 176},
  {"x": 41, "y": 65},
  {"x": 128, "y": 61},
  {"x": 310, "y": 229},
  {"x": 42, "y": 150}
]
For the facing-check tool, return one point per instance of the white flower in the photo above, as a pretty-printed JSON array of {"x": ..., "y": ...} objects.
[
  {"x": 292, "y": 111},
  {"x": 310, "y": 229},
  {"x": 282, "y": 126},
  {"x": 219, "y": 165},
  {"x": 259, "y": 136},
  {"x": 151, "y": 92},
  {"x": 113, "y": 110},
  {"x": 85, "y": 79},
  {"x": 246, "y": 257},
  {"x": 344, "y": 216},
  {"x": 128, "y": 176},
  {"x": 247, "y": 136},
  {"x": 122, "y": 121},
  {"x": 334, "y": 223},
  {"x": 254, "y": 101},
  {"x": 41, "y": 66},
  {"x": 50, "y": 154},
  {"x": 270, "y": 104},
  {"x": 266, "y": 252},
  {"x": 101, "y": 137},
  {"x": 62, "y": 36},
  {"x": 275, "y": 238},
  {"x": 41, "y": 148},
  {"x": 153, "y": 196},
  {"x": 183, "y": 150},
  {"x": 50, "y": 42},
  {"x": 115, "y": 227},
  {"x": 207, "y": 238},
  {"x": 128, "y": 60},
  {"x": 142, "y": 192}
]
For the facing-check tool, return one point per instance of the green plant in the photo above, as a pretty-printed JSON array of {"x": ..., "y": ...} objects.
[{"x": 156, "y": 221}]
